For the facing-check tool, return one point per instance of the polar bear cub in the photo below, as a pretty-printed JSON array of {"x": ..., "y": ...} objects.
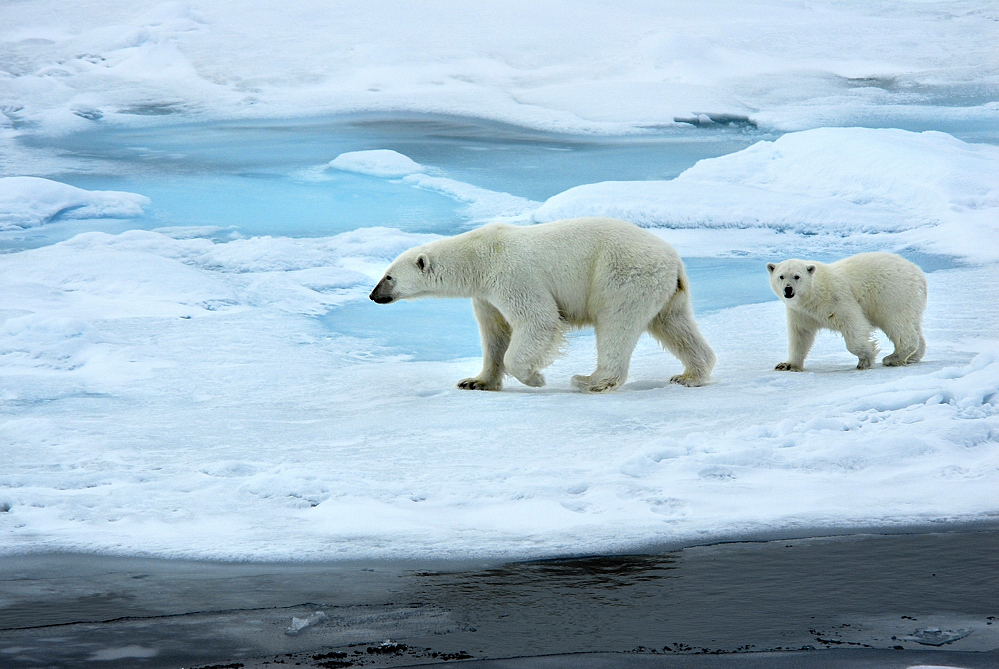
[
  {"x": 528, "y": 284},
  {"x": 853, "y": 296}
]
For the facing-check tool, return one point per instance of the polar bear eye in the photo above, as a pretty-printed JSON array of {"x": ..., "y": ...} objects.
[
  {"x": 781, "y": 277},
  {"x": 388, "y": 277},
  {"x": 797, "y": 276}
]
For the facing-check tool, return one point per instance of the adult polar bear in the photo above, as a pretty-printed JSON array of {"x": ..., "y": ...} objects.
[
  {"x": 529, "y": 283},
  {"x": 853, "y": 296}
]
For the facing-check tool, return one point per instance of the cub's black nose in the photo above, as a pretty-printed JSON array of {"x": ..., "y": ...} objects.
[{"x": 788, "y": 292}]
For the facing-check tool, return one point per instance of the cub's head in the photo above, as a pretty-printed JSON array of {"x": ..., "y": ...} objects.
[
  {"x": 409, "y": 276},
  {"x": 791, "y": 278}
]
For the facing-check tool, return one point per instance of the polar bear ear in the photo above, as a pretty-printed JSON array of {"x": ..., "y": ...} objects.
[
  {"x": 771, "y": 267},
  {"x": 423, "y": 263},
  {"x": 810, "y": 269}
]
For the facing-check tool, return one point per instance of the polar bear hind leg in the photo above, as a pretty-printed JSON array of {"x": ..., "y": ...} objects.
[
  {"x": 675, "y": 328},
  {"x": 616, "y": 342}
]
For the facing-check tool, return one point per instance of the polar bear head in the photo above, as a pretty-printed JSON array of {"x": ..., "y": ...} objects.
[
  {"x": 409, "y": 276},
  {"x": 791, "y": 278}
]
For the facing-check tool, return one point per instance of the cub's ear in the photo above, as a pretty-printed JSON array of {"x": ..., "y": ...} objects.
[
  {"x": 771, "y": 267},
  {"x": 423, "y": 263},
  {"x": 810, "y": 269}
]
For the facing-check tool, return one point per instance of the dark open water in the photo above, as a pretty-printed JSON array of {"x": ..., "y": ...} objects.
[{"x": 873, "y": 600}]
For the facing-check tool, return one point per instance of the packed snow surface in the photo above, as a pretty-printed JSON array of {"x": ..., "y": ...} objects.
[{"x": 173, "y": 393}]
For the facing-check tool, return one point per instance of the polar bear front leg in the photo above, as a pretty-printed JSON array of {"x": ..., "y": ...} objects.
[
  {"x": 494, "y": 332},
  {"x": 800, "y": 337}
]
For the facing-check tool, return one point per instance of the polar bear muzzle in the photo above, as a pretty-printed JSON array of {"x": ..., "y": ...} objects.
[
  {"x": 382, "y": 294},
  {"x": 788, "y": 292}
]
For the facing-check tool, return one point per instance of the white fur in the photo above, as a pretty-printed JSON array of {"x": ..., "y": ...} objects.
[
  {"x": 528, "y": 284},
  {"x": 853, "y": 296}
]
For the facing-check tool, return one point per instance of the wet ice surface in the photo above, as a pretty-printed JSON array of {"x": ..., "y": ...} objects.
[{"x": 729, "y": 605}]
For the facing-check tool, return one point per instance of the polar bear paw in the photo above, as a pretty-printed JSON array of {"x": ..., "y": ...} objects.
[
  {"x": 475, "y": 383},
  {"x": 895, "y": 360},
  {"x": 788, "y": 367},
  {"x": 865, "y": 363},
  {"x": 533, "y": 379},
  {"x": 588, "y": 385},
  {"x": 687, "y": 380}
]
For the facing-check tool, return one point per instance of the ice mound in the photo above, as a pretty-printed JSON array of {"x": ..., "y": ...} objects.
[
  {"x": 482, "y": 204},
  {"x": 927, "y": 190},
  {"x": 378, "y": 163},
  {"x": 27, "y": 202}
]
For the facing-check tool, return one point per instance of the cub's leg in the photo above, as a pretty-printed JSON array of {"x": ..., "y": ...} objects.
[
  {"x": 494, "y": 332},
  {"x": 675, "y": 328},
  {"x": 909, "y": 345},
  {"x": 857, "y": 334},
  {"x": 800, "y": 337},
  {"x": 615, "y": 344}
]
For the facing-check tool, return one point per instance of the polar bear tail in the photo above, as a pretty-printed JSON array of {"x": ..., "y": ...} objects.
[{"x": 675, "y": 328}]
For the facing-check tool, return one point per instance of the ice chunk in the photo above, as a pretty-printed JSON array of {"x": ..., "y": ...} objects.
[
  {"x": 377, "y": 163},
  {"x": 27, "y": 202},
  {"x": 299, "y": 624},
  {"x": 927, "y": 190},
  {"x": 937, "y": 637}
]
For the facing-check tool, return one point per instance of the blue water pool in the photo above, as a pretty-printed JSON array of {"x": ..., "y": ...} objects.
[
  {"x": 259, "y": 178},
  {"x": 268, "y": 178}
]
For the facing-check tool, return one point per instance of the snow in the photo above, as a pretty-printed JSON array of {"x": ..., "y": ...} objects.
[
  {"x": 27, "y": 202},
  {"x": 185, "y": 391},
  {"x": 887, "y": 188},
  {"x": 176, "y": 397},
  {"x": 785, "y": 65}
]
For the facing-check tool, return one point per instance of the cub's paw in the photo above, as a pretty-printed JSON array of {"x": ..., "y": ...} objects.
[
  {"x": 687, "y": 380},
  {"x": 865, "y": 363},
  {"x": 788, "y": 367},
  {"x": 475, "y": 383},
  {"x": 588, "y": 385}
]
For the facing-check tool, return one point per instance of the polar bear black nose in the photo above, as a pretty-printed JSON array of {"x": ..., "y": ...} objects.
[
  {"x": 382, "y": 294},
  {"x": 788, "y": 292}
]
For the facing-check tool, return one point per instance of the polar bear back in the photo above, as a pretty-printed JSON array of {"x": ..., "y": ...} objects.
[
  {"x": 588, "y": 264},
  {"x": 886, "y": 286}
]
